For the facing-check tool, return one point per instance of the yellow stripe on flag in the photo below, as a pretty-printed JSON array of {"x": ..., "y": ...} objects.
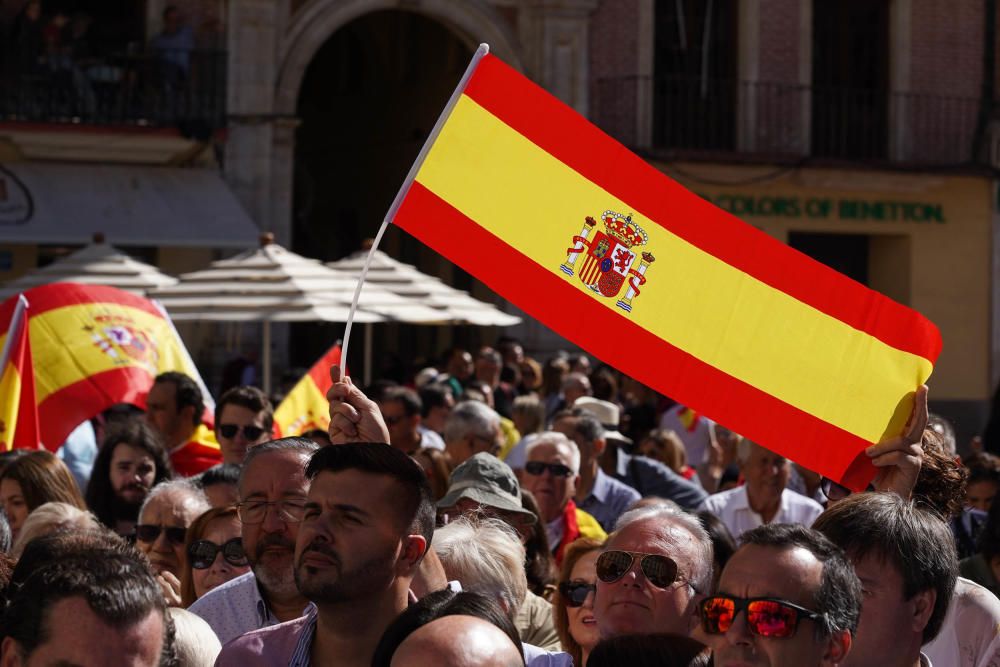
[
  {"x": 74, "y": 342},
  {"x": 304, "y": 408},
  {"x": 692, "y": 300},
  {"x": 10, "y": 398}
]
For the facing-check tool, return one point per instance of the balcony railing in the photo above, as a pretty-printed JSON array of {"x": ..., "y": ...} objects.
[
  {"x": 792, "y": 120},
  {"x": 185, "y": 89}
]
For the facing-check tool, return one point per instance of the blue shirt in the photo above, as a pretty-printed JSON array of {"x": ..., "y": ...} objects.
[
  {"x": 608, "y": 500},
  {"x": 652, "y": 478}
]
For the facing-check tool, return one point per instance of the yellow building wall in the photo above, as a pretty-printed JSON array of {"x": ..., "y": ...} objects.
[{"x": 930, "y": 243}]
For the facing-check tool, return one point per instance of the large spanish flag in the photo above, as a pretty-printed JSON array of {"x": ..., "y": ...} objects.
[
  {"x": 94, "y": 346},
  {"x": 18, "y": 410},
  {"x": 305, "y": 408},
  {"x": 524, "y": 193}
]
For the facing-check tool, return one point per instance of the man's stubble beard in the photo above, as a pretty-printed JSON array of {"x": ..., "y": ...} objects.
[{"x": 375, "y": 574}]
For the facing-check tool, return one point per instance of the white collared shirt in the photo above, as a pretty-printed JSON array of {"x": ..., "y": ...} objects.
[{"x": 733, "y": 508}]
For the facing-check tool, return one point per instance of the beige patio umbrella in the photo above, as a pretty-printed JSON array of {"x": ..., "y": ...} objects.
[
  {"x": 408, "y": 281},
  {"x": 273, "y": 284},
  {"x": 96, "y": 264}
]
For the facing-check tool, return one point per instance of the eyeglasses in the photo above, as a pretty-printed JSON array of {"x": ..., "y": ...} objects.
[
  {"x": 574, "y": 593},
  {"x": 834, "y": 491},
  {"x": 202, "y": 553},
  {"x": 659, "y": 570},
  {"x": 250, "y": 432},
  {"x": 537, "y": 468},
  {"x": 766, "y": 617},
  {"x": 254, "y": 511},
  {"x": 146, "y": 532}
]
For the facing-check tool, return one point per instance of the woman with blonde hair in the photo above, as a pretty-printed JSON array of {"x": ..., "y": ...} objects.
[
  {"x": 32, "y": 480},
  {"x": 573, "y": 603},
  {"x": 50, "y": 518}
]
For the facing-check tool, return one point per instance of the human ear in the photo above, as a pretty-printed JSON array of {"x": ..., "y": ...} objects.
[
  {"x": 922, "y": 605},
  {"x": 10, "y": 653},
  {"x": 414, "y": 547},
  {"x": 837, "y": 648}
]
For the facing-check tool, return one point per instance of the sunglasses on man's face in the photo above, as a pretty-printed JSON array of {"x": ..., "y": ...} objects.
[
  {"x": 659, "y": 570},
  {"x": 537, "y": 468},
  {"x": 202, "y": 553},
  {"x": 250, "y": 432},
  {"x": 148, "y": 533},
  {"x": 834, "y": 491},
  {"x": 574, "y": 593},
  {"x": 773, "y": 618}
]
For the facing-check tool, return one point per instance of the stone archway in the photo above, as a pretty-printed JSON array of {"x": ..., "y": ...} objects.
[{"x": 312, "y": 26}]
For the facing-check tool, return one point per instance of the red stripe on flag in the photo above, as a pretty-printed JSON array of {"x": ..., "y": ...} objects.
[
  {"x": 626, "y": 346},
  {"x": 320, "y": 371},
  {"x": 63, "y": 410},
  {"x": 571, "y": 139},
  {"x": 59, "y": 295}
]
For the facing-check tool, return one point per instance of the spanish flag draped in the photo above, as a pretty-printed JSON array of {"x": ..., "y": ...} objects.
[
  {"x": 524, "y": 193},
  {"x": 93, "y": 346},
  {"x": 18, "y": 411},
  {"x": 305, "y": 407}
]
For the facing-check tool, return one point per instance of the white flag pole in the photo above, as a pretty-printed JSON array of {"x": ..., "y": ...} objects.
[{"x": 452, "y": 101}]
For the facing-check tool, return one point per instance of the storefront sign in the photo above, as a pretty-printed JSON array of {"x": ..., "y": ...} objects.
[{"x": 750, "y": 206}]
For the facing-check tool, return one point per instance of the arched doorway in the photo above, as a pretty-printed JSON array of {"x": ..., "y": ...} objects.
[{"x": 368, "y": 100}]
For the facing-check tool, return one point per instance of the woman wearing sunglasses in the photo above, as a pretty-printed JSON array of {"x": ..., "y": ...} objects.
[
  {"x": 213, "y": 553},
  {"x": 573, "y": 604}
]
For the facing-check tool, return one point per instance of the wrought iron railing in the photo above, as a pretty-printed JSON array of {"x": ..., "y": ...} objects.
[
  {"x": 781, "y": 119},
  {"x": 156, "y": 88}
]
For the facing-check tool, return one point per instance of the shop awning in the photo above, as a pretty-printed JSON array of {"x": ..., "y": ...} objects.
[{"x": 134, "y": 206}]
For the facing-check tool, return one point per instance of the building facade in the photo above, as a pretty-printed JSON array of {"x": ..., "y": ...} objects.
[{"x": 861, "y": 132}]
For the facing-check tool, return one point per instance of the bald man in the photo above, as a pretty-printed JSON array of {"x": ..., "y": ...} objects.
[{"x": 458, "y": 641}]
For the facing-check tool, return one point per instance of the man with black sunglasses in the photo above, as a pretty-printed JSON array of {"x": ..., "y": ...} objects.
[
  {"x": 788, "y": 596},
  {"x": 243, "y": 418},
  {"x": 653, "y": 570},
  {"x": 551, "y": 474}
]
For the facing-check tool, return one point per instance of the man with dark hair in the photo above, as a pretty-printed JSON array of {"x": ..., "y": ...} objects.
[
  {"x": 401, "y": 409},
  {"x": 437, "y": 402},
  {"x": 243, "y": 418},
  {"x": 90, "y": 606},
  {"x": 367, "y": 524},
  {"x": 905, "y": 558},
  {"x": 597, "y": 493},
  {"x": 132, "y": 460},
  {"x": 648, "y": 477},
  {"x": 788, "y": 596},
  {"x": 221, "y": 484},
  {"x": 174, "y": 408},
  {"x": 272, "y": 490}
]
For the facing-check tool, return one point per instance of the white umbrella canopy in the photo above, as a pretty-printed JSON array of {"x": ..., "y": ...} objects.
[
  {"x": 408, "y": 281},
  {"x": 95, "y": 264},
  {"x": 273, "y": 284}
]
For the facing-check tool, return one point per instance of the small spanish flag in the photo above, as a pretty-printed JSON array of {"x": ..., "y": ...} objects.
[
  {"x": 18, "y": 410},
  {"x": 305, "y": 408},
  {"x": 524, "y": 193},
  {"x": 93, "y": 346}
]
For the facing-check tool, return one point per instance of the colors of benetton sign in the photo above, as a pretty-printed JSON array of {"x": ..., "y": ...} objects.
[{"x": 521, "y": 191}]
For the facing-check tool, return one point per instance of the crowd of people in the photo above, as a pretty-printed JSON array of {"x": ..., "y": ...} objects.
[{"x": 492, "y": 510}]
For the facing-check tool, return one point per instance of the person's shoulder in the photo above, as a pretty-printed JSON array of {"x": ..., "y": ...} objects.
[
  {"x": 724, "y": 498},
  {"x": 535, "y": 656},
  {"x": 969, "y": 595},
  {"x": 276, "y": 641},
  {"x": 620, "y": 488},
  {"x": 243, "y": 585},
  {"x": 801, "y": 502}
]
